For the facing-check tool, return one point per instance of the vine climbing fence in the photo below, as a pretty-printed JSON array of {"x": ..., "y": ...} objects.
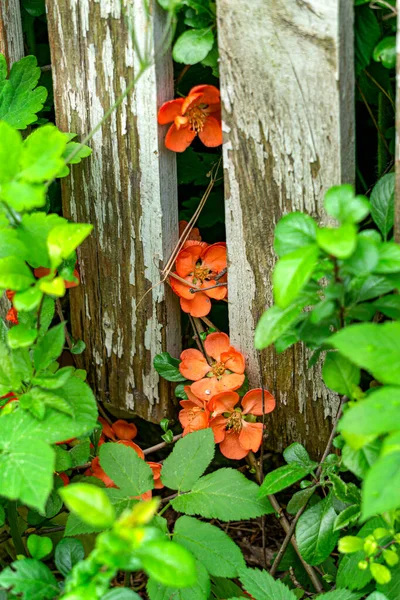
[{"x": 288, "y": 123}]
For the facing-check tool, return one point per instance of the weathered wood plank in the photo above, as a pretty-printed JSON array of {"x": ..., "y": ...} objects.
[
  {"x": 127, "y": 190},
  {"x": 11, "y": 37},
  {"x": 287, "y": 92}
]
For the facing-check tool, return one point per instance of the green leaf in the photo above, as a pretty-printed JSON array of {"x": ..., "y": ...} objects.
[
  {"x": 382, "y": 203},
  {"x": 46, "y": 398},
  {"x": 381, "y": 486},
  {"x": 367, "y": 35},
  {"x": 291, "y": 274},
  {"x": 28, "y": 300},
  {"x": 341, "y": 203},
  {"x": 340, "y": 374},
  {"x": 2, "y": 516},
  {"x": 193, "y": 45},
  {"x": 210, "y": 545},
  {"x": 69, "y": 551},
  {"x": 368, "y": 287},
  {"x": 391, "y": 589},
  {"x": 39, "y": 546},
  {"x": 339, "y": 242},
  {"x": 364, "y": 259},
  {"x": 200, "y": 591},
  {"x": 56, "y": 427},
  {"x": 121, "y": 594},
  {"x": 80, "y": 454},
  {"x": 128, "y": 471},
  {"x": 226, "y": 495},
  {"x": 389, "y": 258},
  {"x": 385, "y": 52},
  {"x": 273, "y": 323},
  {"x": 339, "y": 595},
  {"x": 14, "y": 274},
  {"x": 347, "y": 517},
  {"x": 26, "y": 469},
  {"x": 64, "y": 239},
  {"x": 36, "y": 8},
  {"x": 63, "y": 459},
  {"x": 378, "y": 414},
  {"x": 20, "y": 99},
  {"x": 294, "y": 231},
  {"x": 299, "y": 499},
  {"x": 90, "y": 503},
  {"x": 349, "y": 575},
  {"x": 284, "y": 477},
  {"x": 23, "y": 196},
  {"x": 389, "y": 306},
  {"x": 377, "y": 596},
  {"x": 373, "y": 347},
  {"x": 42, "y": 153},
  {"x": 169, "y": 563},
  {"x": 297, "y": 454},
  {"x": 78, "y": 347},
  {"x": 10, "y": 147},
  {"x": 54, "y": 381},
  {"x": 261, "y": 586},
  {"x": 30, "y": 578},
  {"x": 49, "y": 347},
  {"x": 188, "y": 460},
  {"x": 21, "y": 336},
  {"x": 167, "y": 367},
  {"x": 33, "y": 234},
  {"x": 315, "y": 535}
]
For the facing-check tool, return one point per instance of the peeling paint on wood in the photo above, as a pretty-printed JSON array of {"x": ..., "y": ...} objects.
[
  {"x": 127, "y": 190},
  {"x": 11, "y": 37},
  {"x": 287, "y": 93}
]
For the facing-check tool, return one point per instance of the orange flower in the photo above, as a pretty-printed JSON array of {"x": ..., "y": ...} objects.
[
  {"x": 64, "y": 477},
  {"x": 12, "y": 314},
  {"x": 134, "y": 447},
  {"x": 10, "y": 397},
  {"x": 121, "y": 429},
  {"x": 197, "y": 114},
  {"x": 95, "y": 470},
  {"x": 225, "y": 374},
  {"x": 235, "y": 429},
  {"x": 194, "y": 415},
  {"x": 199, "y": 266},
  {"x": 156, "y": 468}
]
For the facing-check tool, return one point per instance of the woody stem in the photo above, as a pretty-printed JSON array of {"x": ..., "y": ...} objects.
[{"x": 195, "y": 290}]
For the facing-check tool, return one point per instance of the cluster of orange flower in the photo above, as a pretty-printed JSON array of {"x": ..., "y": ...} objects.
[{"x": 213, "y": 401}]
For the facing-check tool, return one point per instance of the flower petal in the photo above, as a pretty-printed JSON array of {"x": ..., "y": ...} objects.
[
  {"x": 187, "y": 259},
  {"x": 210, "y": 94},
  {"x": 216, "y": 344},
  {"x": 194, "y": 368},
  {"x": 178, "y": 140},
  {"x": 229, "y": 383},
  {"x": 191, "y": 100},
  {"x": 180, "y": 289},
  {"x": 231, "y": 448},
  {"x": 214, "y": 258},
  {"x": 218, "y": 425},
  {"x": 205, "y": 389},
  {"x": 132, "y": 445},
  {"x": 193, "y": 419},
  {"x": 170, "y": 110},
  {"x": 211, "y": 134},
  {"x": 124, "y": 430},
  {"x": 192, "y": 398},
  {"x": 224, "y": 402},
  {"x": 250, "y": 436},
  {"x": 200, "y": 306},
  {"x": 106, "y": 428},
  {"x": 233, "y": 360},
  {"x": 217, "y": 293},
  {"x": 252, "y": 402}
]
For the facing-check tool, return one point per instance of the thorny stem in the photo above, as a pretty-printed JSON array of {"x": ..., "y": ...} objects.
[
  {"x": 293, "y": 524},
  {"x": 15, "y": 533}
]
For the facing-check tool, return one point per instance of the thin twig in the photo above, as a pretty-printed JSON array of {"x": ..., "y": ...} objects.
[
  {"x": 293, "y": 524},
  {"x": 161, "y": 445},
  {"x": 199, "y": 328},
  {"x": 209, "y": 323},
  {"x": 264, "y": 549},
  {"x": 371, "y": 114},
  {"x": 217, "y": 285},
  {"x": 61, "y": 317}
]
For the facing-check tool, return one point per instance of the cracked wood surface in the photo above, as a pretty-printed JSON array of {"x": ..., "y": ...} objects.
[
  {"x": 11, "y": 37},
  {"x": 288, "y": 118},
  {"x": 126, "y": 189}
]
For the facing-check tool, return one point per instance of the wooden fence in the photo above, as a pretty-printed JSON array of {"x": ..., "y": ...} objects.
[{"x": 288, "y": 118}]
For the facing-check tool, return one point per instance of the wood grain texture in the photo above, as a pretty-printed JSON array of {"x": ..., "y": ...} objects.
[
  {"x": 126, "y": 189},
  {"x": 288, "y": 118},
  {"x": 397, "y": 204},
  {"x": 11, "y": 37}
]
